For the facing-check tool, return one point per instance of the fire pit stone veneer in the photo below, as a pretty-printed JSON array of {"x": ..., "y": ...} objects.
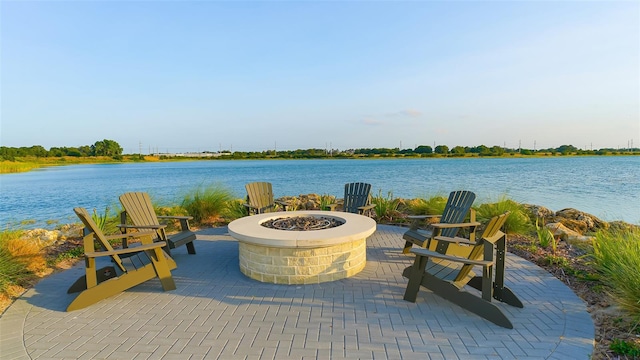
[{"x": 302, "y": 257}]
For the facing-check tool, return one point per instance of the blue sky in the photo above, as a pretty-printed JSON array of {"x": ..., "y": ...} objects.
[{"x": 251, "y": 76}]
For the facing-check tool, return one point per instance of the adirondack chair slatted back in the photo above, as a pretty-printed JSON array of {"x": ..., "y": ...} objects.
[
  {"x": 484, "y": 248},
  {"x": 93, "y": 234},
  {"x": 355, "y": 196},
  {"x": 139, "y": 208},
  {"x": 456, "y": 210},
  {"x": 260, "y": 196}
]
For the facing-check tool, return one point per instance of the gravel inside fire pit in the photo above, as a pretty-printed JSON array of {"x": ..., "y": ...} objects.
[{"x": 302, "y": 223}]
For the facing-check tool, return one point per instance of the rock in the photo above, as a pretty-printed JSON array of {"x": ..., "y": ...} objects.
[
  {"x": 43, "y": 237},
  {"x": 580, "y": 221},
  {"x": 539, "y": 212},
  {"x": 559, "y": 230}
]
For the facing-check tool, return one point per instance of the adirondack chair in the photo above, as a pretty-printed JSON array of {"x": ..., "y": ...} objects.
[
  {"x": 138, "y": 207},
  {"x": 357, "y": 199},
  {"x": 98, "y": 284},
  {"x": 260, "y": 198},
  {"x": 446, "y": 274},
  {"x": 452, "y": 219}
]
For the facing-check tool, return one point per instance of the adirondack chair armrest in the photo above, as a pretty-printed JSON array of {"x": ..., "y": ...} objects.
[
  {"x": 422, "y": 217},
  {"x": 437, "y": 255},
  {"x": 416, "y": 219},
  {"x": 184, "y": 220},
  {"x": 455, "y": 225},
  {"x": 366, "y": 207},
  {"x": 333, "y": 206},
  {"x": 456, "y": 240},
  {"x": 155, "y": 227},
  {"x": 284, "y": 204},
  {"x": 167, "y": 217},
  {"x": 129, "y": 235},
  {"x": 95, "y": 254}
]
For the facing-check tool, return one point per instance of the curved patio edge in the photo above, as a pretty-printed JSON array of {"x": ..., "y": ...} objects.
[{"x": 217, "y": 312}]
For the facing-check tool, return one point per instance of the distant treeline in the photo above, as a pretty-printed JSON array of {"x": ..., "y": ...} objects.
[
  {"x": 100, "y": 148},
  {"x": 111, "y": 148}
]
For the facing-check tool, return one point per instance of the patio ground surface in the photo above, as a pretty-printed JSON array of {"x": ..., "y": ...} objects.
[{"x": 218, "y": 313}]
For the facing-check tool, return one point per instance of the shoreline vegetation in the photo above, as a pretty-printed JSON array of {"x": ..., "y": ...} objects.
[
  {"x": 598, "y": 260},
  {"x": 23, "y": 159}
]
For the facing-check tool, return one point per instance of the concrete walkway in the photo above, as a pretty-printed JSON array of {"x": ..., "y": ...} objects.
[{"x": 218, "y": 313}]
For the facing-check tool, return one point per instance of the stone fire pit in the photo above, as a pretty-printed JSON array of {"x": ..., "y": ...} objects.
[{"x": 302, "y": 257}]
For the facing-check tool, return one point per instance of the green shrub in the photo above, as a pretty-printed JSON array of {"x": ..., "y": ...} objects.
[
  {"x": 205, "y": 202},
  {"x": 234, "y": 209},
  {"x": 518, "y": 220},
  {"x": 622, "y": 347},
  {"x": 616, "y": 256}
]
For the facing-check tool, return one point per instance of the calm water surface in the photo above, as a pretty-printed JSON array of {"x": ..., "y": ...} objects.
[{"x": 608, "y": 187}]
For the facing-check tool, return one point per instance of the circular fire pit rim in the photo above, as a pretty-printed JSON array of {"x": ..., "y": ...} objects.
[{"x": 250, "y": 230}]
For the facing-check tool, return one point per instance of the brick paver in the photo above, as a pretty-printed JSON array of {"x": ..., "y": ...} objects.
[{"x": 218, "y": 313}]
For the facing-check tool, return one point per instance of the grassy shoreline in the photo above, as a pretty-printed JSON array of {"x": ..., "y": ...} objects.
[{"x": 25, "y": 164}]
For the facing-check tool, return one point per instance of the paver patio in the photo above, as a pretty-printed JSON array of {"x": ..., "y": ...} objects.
[{"x": 218, "y": 313}]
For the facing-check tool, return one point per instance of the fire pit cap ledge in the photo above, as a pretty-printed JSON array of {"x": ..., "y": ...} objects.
[{"x": 249, "y": 230}]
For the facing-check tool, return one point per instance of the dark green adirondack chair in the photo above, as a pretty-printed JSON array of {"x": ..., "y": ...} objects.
[
  {"x": 357, "y": 199},
  {"x": 138, "y": 207},
  {"x": 260, "y": 198},
  {"x": 452, "y": 219},
  {"x": 446, "y": 274},
  {"x": 98, "y": 284}
]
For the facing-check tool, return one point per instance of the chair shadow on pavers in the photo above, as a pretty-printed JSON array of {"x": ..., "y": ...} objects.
[
  {"x": 147, "y": 261},
  {"x": 446, "y": 274}
]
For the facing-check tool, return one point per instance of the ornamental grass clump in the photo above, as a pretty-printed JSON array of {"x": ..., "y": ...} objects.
[
  {"x": 386, "y": 208},
  {"x": 518, "y": 221},
  {"x": 616, "y": 256},
  {"x": 206, "y": 202},
  {"x": 432, "y": 206},
  {"x": 21, "y": 262}
]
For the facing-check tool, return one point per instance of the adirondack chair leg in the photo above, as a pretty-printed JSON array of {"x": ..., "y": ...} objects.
[
  {"x": 415, "y": 274},
  {"x": 162, "y": 269},
  {"x": 407, "y": 247}
]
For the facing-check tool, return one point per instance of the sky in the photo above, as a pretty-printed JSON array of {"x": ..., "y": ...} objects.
[{"x": 190, "y": 76}]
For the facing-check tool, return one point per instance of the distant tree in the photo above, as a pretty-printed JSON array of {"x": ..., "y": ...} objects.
[
  {"x": 567, "y": 149},
  {"x": 442, "y": 149},
  {"x": 423, "y": 149},
  {"x": 106, "y": 148},
  {"x": 458, "y": 150},
  {"x": 497, "y": 151}
]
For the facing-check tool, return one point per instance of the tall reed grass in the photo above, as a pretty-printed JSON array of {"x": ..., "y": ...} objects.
[
  {"x": 9, "y": 167},
  {"x": 616, "y": 256},
  {"x": 206, "y": 202}
]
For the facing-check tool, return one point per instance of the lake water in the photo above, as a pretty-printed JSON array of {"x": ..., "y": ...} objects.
[{"x": 608, "y": 187}]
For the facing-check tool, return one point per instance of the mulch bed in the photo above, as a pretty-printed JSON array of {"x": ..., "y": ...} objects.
[{"x": 570, "y": 264}]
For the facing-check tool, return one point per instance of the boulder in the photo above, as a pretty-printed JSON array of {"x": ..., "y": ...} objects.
[
  {"x": 564, "y": 233},
  {"x": 580, "y": 221}
]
